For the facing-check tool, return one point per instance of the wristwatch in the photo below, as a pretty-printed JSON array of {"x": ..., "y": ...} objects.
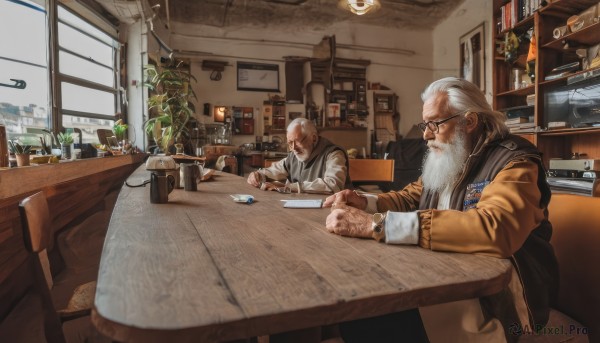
[{"x": 378, "y": 226}]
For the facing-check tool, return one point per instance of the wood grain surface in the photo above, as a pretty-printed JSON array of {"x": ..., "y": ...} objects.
[{"x": 204, "y": 268}]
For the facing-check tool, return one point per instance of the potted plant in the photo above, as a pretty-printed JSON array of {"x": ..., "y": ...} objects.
[
  {"x": 21, "y": 153},
  {"x": 120, "y": 129},
  {"x": 168, "y": 104},
  {"x": 66, "y": 144}
]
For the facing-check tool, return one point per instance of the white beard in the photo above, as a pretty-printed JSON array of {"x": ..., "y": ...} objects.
[
  {"x": 303, "y": 156},
  {"x": 442, "y": 168}
]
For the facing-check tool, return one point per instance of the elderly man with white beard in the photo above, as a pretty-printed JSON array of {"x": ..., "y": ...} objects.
[
  {"x": 482, "y": 191},
  {"x": 314, "y": 164}
]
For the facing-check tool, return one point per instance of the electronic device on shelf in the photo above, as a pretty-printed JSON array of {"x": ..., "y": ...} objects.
[
  {"x": 563, "y": 70},
  {"x": 575, "y": 176}
]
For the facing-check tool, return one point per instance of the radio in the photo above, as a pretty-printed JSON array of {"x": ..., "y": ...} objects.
[{"x": 575, "y": 176}]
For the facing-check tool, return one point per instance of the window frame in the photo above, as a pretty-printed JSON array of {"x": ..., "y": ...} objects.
[{"x": 59, "y": 77}]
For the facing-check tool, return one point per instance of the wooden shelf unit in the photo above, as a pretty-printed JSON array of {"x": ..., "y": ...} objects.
[
  {"x": 346, "y": 84},
  {"x": 551, "y": 53}
]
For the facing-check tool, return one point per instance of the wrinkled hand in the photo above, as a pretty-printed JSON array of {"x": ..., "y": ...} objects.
[
  {"x": 255, "y": 179},
  {"x": 271, "y": 186},
  {"x": 345, "y": 220},
  {"x": 348, "y": 197}
]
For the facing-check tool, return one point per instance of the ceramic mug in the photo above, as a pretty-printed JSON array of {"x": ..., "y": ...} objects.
[
  {"x": 191, "y": 175},
  {"x": 160, "y": 187}
]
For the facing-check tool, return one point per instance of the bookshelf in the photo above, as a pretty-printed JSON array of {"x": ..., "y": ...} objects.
[{"x": 573, "y": 98}]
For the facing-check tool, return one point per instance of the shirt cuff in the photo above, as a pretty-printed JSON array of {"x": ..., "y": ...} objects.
[
  {"x": 371, "y": 202},
  {"x": 294, "y": 187},
  {"x": 402, "y": 228}
]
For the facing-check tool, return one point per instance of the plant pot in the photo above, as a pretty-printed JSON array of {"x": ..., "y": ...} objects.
[{"x": 22, "y": 160}]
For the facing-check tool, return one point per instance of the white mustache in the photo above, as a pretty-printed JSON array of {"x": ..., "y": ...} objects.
[{"x": 434, "y": 145}]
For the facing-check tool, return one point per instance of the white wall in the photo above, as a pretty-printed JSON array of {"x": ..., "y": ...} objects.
[{"x": 446, "y": 35}]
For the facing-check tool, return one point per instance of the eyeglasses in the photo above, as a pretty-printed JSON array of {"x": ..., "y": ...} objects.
[
  {"x": 292, "y": 144},
  {"x": 434, "y": 126}
]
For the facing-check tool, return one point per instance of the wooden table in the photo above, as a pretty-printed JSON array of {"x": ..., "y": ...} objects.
[{"x": 203, "y": 268}]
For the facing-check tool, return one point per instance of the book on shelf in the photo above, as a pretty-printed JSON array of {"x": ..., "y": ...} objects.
[
  {"x": 516, "y": 120},
  {"x": 530, "y": 99},
  {"x": 558, "y": 125},
  {"x": 522, "y": 126},
  {"x": 521, "y": 131},
  {"x": 515, "y": 11}
]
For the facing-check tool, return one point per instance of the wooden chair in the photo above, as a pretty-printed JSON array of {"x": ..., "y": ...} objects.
[
  {"x": 39, "y": 238},
  {"x": 370, "y": 171}
]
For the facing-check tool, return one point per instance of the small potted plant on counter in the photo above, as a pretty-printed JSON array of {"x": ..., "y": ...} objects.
[
  {"x": 66, "y": 144},
  {"x": 120, "y": 131},
  {"x": 21, "y": 153}
]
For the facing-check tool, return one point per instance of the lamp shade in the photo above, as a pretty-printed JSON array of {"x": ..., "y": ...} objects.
[{"x": 360, "y": 7}]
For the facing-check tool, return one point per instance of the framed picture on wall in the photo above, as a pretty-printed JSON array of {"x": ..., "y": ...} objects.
[
  {"x": 257, "y": 77},
  {"x": 472, "y": 57}
]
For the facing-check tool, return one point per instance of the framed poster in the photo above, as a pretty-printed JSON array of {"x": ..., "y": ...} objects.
[
  {"x": 258, "y": 77},
  {"x": 472, "y": 61}
]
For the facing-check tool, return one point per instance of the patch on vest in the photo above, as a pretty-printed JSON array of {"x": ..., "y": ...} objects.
[{"x": 473, "y": 194}]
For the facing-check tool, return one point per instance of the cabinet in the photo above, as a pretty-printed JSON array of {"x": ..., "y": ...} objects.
[
  {"x": 559, "y": 100},
  {"x": 274, "y": 116},
  {"x": 346, "y": 90},
  {"x": 384, "y": 117},
  {"x": 243, "y": 120}
]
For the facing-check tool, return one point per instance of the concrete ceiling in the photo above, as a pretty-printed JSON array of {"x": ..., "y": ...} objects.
[{"x": 307, "y": 14}]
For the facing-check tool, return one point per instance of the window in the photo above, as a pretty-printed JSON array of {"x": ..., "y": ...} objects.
[
  {"x": 87, "y": 95},
  {"x": 88, "y": 72},
  {"x": 25, "y": 103}
]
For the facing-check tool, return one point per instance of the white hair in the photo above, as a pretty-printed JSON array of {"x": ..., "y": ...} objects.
[
  {"x": 307, "y": 126},
  {"x": 465, "y": 96}
]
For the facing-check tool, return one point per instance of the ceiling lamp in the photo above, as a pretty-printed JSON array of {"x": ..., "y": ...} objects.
[{"x": 359, "y": 7}]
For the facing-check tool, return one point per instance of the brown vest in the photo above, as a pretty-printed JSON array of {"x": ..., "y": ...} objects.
[{"x": 314, "y": 167}]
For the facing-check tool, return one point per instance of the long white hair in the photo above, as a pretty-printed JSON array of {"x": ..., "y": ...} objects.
[{"x": 466, "y": 96}]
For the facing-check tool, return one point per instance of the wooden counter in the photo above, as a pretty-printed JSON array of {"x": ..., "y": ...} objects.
[
  {"x": 203, "y": 268},
  {"x": 75, "y": 190}
]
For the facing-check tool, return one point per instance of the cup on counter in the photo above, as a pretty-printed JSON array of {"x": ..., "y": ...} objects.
[
  {"x": 160, "y": 187},
  {"x": 191, "y": 174}
]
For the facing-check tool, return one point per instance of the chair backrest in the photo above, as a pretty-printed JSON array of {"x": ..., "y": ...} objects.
[
  {"x": 371, "y": 170},
  {"x": 576, "y": 237},
  {"x": 37, "y": 231}
]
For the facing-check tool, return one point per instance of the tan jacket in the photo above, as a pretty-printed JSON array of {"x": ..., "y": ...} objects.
[
  {"x": 511, "y": 199},
  {"x": 498, "y": 207}
]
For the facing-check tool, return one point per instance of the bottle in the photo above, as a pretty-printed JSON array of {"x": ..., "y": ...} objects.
[
  {"x": 227, "y": 132},
  {"x": 221, "y": 134},
  {"x": 200, "y": 139},
  {"x": 374, "y": 145}
]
